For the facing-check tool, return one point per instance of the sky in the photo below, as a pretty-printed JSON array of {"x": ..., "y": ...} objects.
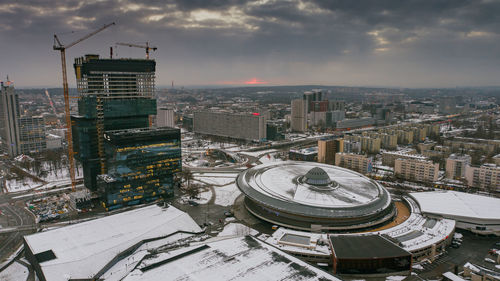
[{"x": 386, "y": 43}]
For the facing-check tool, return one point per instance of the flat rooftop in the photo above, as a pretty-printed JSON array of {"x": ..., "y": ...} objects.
[
  {"x": 241, "y": 258},
  {"x": 365, "y": 247},
  {"x": 82, "y": 250},
  {"x": 458, "y": 204}
]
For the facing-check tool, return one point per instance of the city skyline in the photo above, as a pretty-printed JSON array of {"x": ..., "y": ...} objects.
[{"x": 220, "y": 43}]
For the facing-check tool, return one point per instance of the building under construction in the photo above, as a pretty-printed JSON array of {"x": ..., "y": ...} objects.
[
  {"x": 141, "y": 164},
  {"x": 116, "y": 95}
]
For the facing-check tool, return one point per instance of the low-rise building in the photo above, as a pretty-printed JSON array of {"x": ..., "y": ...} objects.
[
  {"x": 416, "y": 169},
  {"x": 305, "y": 154}
]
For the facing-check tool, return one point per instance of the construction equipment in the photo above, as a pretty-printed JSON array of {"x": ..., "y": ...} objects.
[
  {"x": 51, "y": 102},
  {"x": 58, "y": 46},
  {"x": 146, "y": 47}
]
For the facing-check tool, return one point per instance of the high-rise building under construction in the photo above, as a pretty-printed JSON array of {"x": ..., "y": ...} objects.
[{"x": 114, "y": 94}]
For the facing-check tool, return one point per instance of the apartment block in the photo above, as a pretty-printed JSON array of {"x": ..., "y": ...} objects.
[
  {"x": 416, "y": 170},
  {"x": 486, "y": 177},
  {"x": 249, "y": 126},
  {"x": 357, "y": 162},
  {"x": 456, "y": 164},
  {"x": 327, "y": 149}
]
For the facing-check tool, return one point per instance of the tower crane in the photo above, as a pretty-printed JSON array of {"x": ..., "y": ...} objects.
[
  {"x": 146, "y": 47},
  {"x": 58, "y": 46}
]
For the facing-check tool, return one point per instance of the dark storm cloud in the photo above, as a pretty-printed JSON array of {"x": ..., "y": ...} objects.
[{"x": 441, "y": 34}]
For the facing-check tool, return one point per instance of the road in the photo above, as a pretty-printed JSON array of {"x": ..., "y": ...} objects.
[{"x": 13, "y": 214}]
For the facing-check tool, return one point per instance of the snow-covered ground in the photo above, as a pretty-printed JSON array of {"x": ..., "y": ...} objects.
[
  {"x": 225, "y": 195},
  {"x": 16, "y": 185},
  {"x": 217, "y": 179},
  {"x": 237, "y": 229},
  {"x": 203, "y": 197},
  {"x": 269, "y": 158},
  {"x": 52, "y": 176},
  {"x": 258, "y": 153},
  {"x": 14, "y": 272}
]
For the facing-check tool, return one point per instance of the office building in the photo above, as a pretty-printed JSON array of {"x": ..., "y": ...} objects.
[
  {"x": 9, "y": 119},
  {"x": 247, "y": 126},
  {"x": 114, "y": 94},
  {"x": 299, "y": 116},
  {"x": 165, "y": 117},
  {"x": 360, "y": 163},
  {"x": 486, "y": 177},
  {"x": 32, "y": 134},
  {"x": 455, "y": 166},
  {"x": 141, "y": 164},
  {"x": 327, "y": 148},
  {"x": 312, "y": 96},
  {"x": 416, "y": 170}
]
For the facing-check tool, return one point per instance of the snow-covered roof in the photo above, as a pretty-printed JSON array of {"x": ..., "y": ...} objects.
[
  {"x": 454, "y": 204},
  {"x": 241, "y": 258},
  {"x": 282, "y": 182},
  {"x": 81, "y": 250}
]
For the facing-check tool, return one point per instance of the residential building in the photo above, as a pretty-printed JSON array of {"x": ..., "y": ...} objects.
[
  {"x": 299, "y": 116},
  {"x": 360, "y": 163},
  {"x": 351, "y": 146},
  {"x": 389, "y": 157},
  {"x": 456, "y": 164},
  {"x": 370, "y": 145},
  {"x": 404, "y": 137},
  {"x": 388, "y": 141},
  {"x": 416, "y": 170},
  {"x": 486, "y": 177},
  {"x": 327, "y": 149}
]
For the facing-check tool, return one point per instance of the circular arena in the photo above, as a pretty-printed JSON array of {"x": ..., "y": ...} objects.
[{"x": 314, "y": 197}]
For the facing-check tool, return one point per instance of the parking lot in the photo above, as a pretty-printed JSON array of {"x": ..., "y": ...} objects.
[{"x": 474, "y": 249}]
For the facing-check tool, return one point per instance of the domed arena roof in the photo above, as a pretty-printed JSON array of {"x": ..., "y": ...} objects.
[
  {"x": 309, "y": 193},
  {"x": 317, "y": 176}
]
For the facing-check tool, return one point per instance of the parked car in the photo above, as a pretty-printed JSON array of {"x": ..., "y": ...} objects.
[{"x": 193, "y": 203}]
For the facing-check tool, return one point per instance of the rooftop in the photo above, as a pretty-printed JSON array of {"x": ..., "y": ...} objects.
[
  {"x": 458, "y": 204},
  {"x": 365, "y": 246},
  {"x": 82, "y": 250},
  {"x": 241, "y": 258}
]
